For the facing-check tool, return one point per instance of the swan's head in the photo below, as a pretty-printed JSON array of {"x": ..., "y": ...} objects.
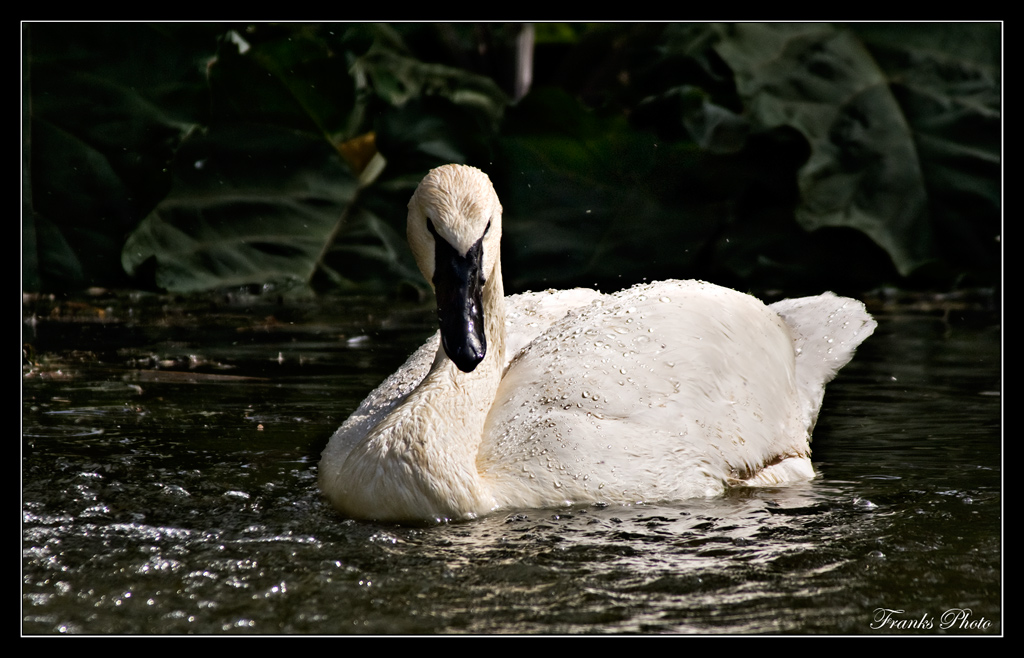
[{"x": 455, "y": 232}]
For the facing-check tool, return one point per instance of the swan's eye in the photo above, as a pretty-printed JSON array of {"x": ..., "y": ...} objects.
[{"x": 488, "y": 227}]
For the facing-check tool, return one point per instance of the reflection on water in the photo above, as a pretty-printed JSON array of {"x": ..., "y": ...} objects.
[{"x": 169, "y": 486}]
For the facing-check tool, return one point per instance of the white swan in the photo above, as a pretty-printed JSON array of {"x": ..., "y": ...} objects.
[{"x": 661, "y": 392}]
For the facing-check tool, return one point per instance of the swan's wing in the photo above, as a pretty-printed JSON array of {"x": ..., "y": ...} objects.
[
  {"x": 664, "y": 391},
  {"x": 826, "y": 332},
  {"x": 530, "y": 314},
  {"x": 379, "y": 404}
]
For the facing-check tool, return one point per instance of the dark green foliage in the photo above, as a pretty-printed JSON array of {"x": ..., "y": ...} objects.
[{"x": 196, "y": 156}]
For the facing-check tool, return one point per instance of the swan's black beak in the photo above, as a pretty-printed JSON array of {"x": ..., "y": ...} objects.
[{"x": 459, "y": 285}]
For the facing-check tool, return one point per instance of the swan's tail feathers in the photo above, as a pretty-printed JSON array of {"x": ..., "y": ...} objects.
[
  {"x": 826, "y": 332},
  {"x": 790, "y": 469}
]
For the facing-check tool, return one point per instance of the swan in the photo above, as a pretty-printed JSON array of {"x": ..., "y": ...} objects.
[{"x": 661, "y": 392}]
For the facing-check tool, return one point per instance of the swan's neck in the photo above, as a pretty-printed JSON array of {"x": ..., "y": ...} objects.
[
  {"x": 421, "y": 460},
  {"x": 463, "y": 399}
]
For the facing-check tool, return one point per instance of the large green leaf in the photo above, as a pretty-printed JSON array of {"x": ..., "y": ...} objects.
[
  {"x": 285, "y": 192},
  {"x": 946, "y": 79},
  {"x": 864, "y": 170},
  {"x": 249, "y": 204}
]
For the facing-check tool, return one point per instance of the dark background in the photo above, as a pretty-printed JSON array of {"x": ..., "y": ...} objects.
[{"x": 791, "y": 157}]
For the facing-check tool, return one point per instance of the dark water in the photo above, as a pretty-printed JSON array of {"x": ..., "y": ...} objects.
[{"x": 169, "y": 486}]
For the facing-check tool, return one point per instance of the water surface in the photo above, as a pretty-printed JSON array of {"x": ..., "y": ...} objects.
[{"x": 169, "y": 486}]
